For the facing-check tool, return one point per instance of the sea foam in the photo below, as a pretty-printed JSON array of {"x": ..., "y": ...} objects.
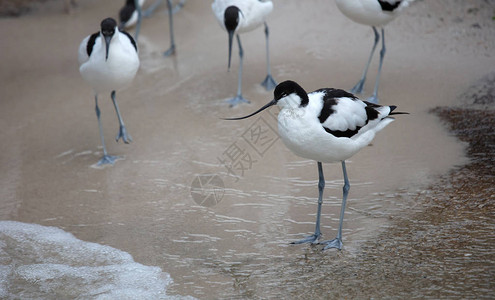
[{"x": 46, "y": 262}]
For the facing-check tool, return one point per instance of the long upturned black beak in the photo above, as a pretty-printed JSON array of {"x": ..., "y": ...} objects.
[
  {"x": 271, "y": 103},
  {"x": 231, "y": 39},
  {"x": 108, "y": 38}
]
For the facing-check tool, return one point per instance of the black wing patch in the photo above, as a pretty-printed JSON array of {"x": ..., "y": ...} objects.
[
  {"x": 327, "y": 109},
  {"x": 133, "y": 42},
  {"x": 91, "y": 43},
  {"x": 386, "y": 6},
  {"x": 125, "y": 13},
  {"x": 330, "y": 99},
  {"x": 335, "y": 93},
  {"x": 337, "y": 133},
  {"x": 371, "y": 114}
]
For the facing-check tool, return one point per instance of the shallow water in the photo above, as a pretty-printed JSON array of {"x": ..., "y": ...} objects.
[{"x": 146, "y": 205}]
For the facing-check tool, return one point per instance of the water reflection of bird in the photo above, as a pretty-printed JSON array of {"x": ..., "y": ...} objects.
[
  {"x": 374, "y": 13},
  {"x": 327, "y": 125},
  {"x": 109, "y": 61},
  {"x": 131, "y": 14},
  {"x": 239, "y": 16}
]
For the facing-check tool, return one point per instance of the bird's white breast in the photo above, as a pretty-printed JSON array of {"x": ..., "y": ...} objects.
[
  {"x": 132, "y": 21},
  {"x": 117, "y": 71},
  {"x": 366, "y": 12},
  {"x": 82, "y": 56}
]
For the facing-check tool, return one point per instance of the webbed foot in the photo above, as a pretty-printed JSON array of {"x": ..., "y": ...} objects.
[
  {"x": 373, "y": 99},
  {"x": 312, "y": 239},
  {"x": 335, "y": 243},
  {"x": 269, "y": 83},
  {"x": 108, "y": 160},
  {"x": 358, "y": 88},
  {"x": 124, "y": 135},
  {"x": 170, "y": 51},
  {"x": 236, "y": 100}
]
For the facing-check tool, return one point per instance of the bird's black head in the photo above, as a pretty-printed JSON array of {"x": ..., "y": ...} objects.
[
  {"x": 289, "y": 87},
  {"x": 231, "y": 21},
  {"x": 108, "y": 27},
  {"x": 108, "y": 30},
  {"x": 231, "y": 18},
  {"x": 280, "y": 93}
]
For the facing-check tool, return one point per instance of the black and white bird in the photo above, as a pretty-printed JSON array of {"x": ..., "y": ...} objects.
[
  {"x": 374, "y": 13},
  {"x": 131, "y": 14},
  {"x": 327, "y": 125},
  {"x": 239, "y": 16},
  {"x": 108, "y": 61}
]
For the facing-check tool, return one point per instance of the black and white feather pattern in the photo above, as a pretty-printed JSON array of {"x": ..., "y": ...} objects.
[
  {"x": 372, "y": 12},
  {"x": 327, "y": 125},
  {"x": 389, "y": 5},
  {"x": 343, "y": 114},
  {"x": 113, "y": 70}
]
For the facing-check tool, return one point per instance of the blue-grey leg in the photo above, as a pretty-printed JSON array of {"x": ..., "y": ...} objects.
[
  {"x": 170, "y": 50},
  {"x": 238, "y": 98},
  {"x": 138, "y": 24},
  {"x": 374, "y": 97},
  {"x": 106, "y": 159},
  {"x": 147, "y": 13},
  {"x": 321, "y": 185},
  {"x": 358, "y": 88},
  {"x": 122, "y": 131},
  {"x": 269, "y": 83},
  {"x": 337, "y": 242}
]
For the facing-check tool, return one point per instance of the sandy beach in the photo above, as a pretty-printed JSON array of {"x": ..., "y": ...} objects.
[{"x": 236, "y": 244}]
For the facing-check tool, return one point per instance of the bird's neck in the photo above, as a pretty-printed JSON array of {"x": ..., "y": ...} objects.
[{"x": 292, "y": 101}]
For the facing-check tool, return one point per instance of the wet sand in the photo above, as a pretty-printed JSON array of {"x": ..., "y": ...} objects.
[{"x": 239, "y": 247}]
